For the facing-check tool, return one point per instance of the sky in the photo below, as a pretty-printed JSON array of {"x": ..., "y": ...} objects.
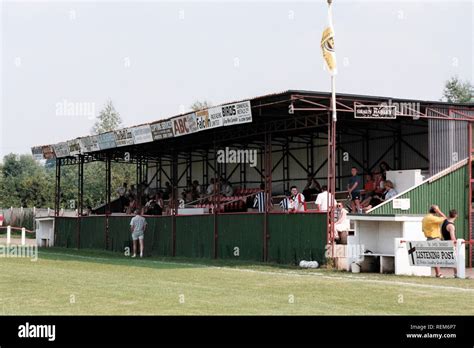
[{"x": 153, "y": 59}]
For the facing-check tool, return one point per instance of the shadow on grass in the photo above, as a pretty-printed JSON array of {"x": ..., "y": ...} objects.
[{"x": 157, "y": 262}]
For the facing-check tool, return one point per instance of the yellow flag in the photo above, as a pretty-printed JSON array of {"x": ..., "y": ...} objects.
[{"x": 327, "y": 46}]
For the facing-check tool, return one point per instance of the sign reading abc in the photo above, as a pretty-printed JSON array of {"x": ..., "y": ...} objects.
[
  {"x": 185, "y": 124},
  {"x": 432, "y": 253},
  {"x": 236, "y": 113}
]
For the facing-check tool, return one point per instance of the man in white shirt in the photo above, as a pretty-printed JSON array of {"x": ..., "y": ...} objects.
[
  {"x": 323, "y": 198},
  {"x": 138, "y": 227}
]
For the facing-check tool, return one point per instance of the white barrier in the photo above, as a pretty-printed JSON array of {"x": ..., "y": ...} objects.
[
  {"x": 9, "y": 234},
  {"x": 23, "y": 236}
]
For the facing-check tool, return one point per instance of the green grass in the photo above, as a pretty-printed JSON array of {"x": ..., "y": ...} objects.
[{"x": 110, "y": 284}]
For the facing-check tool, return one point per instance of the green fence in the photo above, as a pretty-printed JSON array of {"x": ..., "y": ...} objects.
[
  {"x": 66, "y": 232},
  {"x": 240, "y": 236},
  {"x": 159, "y": 238},
  {"x": 93, "y": 232},
  {"x": 195, "y": 236},
  {"x": 292, "y": 237},
  {"x": 119, "y": 233},
  {"x": 296, "y": 237}
]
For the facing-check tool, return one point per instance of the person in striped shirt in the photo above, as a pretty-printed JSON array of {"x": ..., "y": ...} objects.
[
  {"x": 259, "y": 200},
  {"x": 296, "y": 201}
]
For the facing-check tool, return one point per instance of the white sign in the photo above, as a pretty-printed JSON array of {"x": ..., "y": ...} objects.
[
  {"x": 431, "y": 253},
  {"x": 375, "y": 111},
  {"x": 61, "y": 149},
  {"x": 162, "y": 129},
  {"x": 74, "y": 147},
  {"x": 37, "y": 152},
  {"x": 142, "y": 134},
  {"x": 106, "y": 140},
  {"x": 123, "y": 137},
  {"x": 89, "y": 144},
  {"x": 401, "y": 203},
  {"x": 237, "y": 113}
]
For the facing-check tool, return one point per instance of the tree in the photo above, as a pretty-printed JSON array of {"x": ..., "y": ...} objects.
[
  {"x": 108, "y": 119},
  {"x": 457, "y": 91},
  {"x": 201, "y": 105}
]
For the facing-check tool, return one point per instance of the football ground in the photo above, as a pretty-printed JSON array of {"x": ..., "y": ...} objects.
[{"x": 71, "y": 282}]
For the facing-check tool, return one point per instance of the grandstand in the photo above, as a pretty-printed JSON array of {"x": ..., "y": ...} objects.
[{"x": 289, "y": 133}]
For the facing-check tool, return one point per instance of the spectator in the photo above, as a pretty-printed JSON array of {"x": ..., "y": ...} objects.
[
  {"x": 137, "y": 228},
  {"x": 384, "y": 168},
  {"x": 285, "y": 203},
  {"x": 197, "y": 189},
  {"x": 369, "y": 186},
  {"x": 227, "y": 189},
  {"x": 354, "y": 187},
  {"x": 390, "y": 192},
  {"x": 210, "y": 188},
  {"x": 448, "y": 230},
  {"x": 123, "y": 201},
  {"x": 431, "y": 225},
  {"x": 379, "y": 182},
  {"x": 323, "y": 199},
  {"x": 132, "y": 205},
  {"x": 296, "y": 201},
  {"x": 168, "y": 190},
  {"x": 160, "y": 204},
  {"x": 259, "y": 201},
  {"x": 342, "y": 223},
  {"x": 312, "y": 187}
]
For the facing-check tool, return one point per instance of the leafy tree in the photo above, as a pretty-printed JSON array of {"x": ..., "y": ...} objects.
[
  {"x": 108, "y": 119},
  {"x": 201, "y": 105},
  {"x": 458, "y": 91}
]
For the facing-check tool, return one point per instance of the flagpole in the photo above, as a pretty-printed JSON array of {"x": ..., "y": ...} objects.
[{"x": 333, "y": 77}]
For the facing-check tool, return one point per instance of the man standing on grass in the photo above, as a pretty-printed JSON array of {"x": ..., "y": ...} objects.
[
  {"x": 448, "y": 230},
  {"x": 137, "y": 228},
  {"x": 431, "y": 225}
]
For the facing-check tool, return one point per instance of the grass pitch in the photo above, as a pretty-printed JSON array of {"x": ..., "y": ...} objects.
[{"x": 71, "y": 282}]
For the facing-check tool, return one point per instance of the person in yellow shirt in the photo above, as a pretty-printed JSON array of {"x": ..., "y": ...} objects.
[{"x": 431, "y": 225}]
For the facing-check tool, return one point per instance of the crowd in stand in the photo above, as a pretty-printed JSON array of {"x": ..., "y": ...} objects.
[{"x": 362, "y": 195}]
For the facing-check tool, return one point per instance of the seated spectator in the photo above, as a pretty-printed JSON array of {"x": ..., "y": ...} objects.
[
  {"x": 168, "y": 190},
  {"x": 196, "y": 189},
  {"x": 210, "y": 188},
  {"x": 132, "y": 205},
  {"x": 384, "y": 168},
  {"x": 227, "y": 189},
  {"x": 389, "y": 192},
  {"x": 342, "y": 223},
  {"x": 323, "y": 199},
  {"x": 369, "y": 185},
  {"x": 296, "y": 201},
  {"x": 312, "y": 187}
]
